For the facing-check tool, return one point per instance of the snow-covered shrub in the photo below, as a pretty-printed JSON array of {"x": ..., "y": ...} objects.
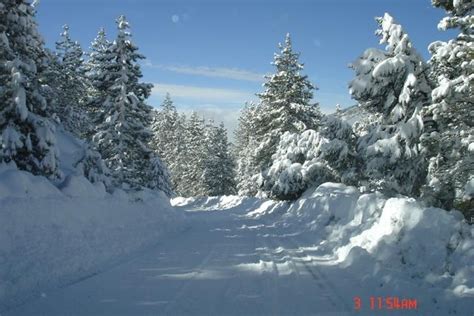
[
  {"x": 93, "y": 167},
  {"x": 311, "y": 158},
  {"x": 297, "y": 165}
]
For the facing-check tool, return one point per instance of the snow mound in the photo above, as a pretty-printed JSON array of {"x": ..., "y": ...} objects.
[
  {"x": 216, "y": 203},
  {"x": 396, "y": 240},
  {"x": 20, "y": 184},
  {"x": 51, "y": 237},
  {"x": 77, "y": 186}
]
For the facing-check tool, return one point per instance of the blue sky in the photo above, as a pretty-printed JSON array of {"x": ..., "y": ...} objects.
[{"x": 211, "y": 55}]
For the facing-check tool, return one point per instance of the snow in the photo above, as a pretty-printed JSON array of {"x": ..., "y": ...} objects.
[
  {"x": 53, "y": 236},
  {"x": 469, "y": 188},
  {"x": 388, "y": 67},
  {"x": 404, "y": 242},
  {"x": 16, "y": 184},
  {"x": 312, "y": 256}
]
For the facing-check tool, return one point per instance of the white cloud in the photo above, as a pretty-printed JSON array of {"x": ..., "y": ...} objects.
[
  {"x": 202, "y": 94},
  {"x": 217, "y": 72}
]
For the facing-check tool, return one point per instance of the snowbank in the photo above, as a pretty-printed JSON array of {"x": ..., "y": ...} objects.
[
  {"x": 52, "y": 236},
  {"x": 393, "y": 244},
  {"x": 215, "y": 203}
]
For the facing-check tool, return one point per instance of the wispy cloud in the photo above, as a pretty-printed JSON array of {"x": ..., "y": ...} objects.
[
  {"x": 203, "y": 94},
  {"x": 216, "y": 72}
]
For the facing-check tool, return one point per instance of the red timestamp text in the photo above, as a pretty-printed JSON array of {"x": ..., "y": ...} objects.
[{"x": 385, "y": 303}]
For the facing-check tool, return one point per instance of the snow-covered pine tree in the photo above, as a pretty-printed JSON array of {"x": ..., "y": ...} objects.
[
  {"x": 27, "y": 135},
  {"x": 285, "y": 105},
  {"x": 167, "y": 141},
  {"x": 96, "y": 71},
  {"x": 164, "y": 127},
  {"x": 159, "y": 177},
  {"x": 244, "y": 152},
  {"x": 123, "y": 136},
  {"x": 70, "y": 85},
  {"x": 218, "y": 173},
  {"x": 178, "y": 166},
  {"x": 191, "y": 182},
  {"x": 448, "y": 140},
  {"x": 393, "y": 84},
  {"x": 227, "y": 175},
  {"x": 340, "y": 152}
]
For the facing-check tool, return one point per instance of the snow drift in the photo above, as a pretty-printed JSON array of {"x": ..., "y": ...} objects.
[
  {"x": 52, "y": 236},
  {"x": 396, "y": 245}
]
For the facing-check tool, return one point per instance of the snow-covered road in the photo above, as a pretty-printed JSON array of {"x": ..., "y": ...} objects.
[{"x": 226, "y": 263}]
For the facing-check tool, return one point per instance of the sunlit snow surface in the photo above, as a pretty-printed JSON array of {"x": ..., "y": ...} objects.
[{"x": 245, "y": 256}]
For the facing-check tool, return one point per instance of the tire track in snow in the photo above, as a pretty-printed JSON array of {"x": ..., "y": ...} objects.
[
  {"x": 270, "y": 282},
  {"x": 189, "y": 283},
  {"x": 319, "y": 277}
]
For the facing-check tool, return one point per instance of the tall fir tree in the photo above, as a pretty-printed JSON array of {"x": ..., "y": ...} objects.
[
  {"x": 123, "y": 135},
  {"x": 70, "y": 85},
  {"x": 218, "y": 173},
  {"x": 192, "y": 181},
  {"x": 244, "y": 152},
  {"x": 179, "y": 164},
  {"x": 285, "y": 106},
  {"x": 97, "y": 67},
  {"x": 448, "y": 141},
  {"x": 392, "y": 84},
  {"x": 27, "y": 135},
  {"x": 167, "y": 139},
  {"x": 164, "y": 126}
]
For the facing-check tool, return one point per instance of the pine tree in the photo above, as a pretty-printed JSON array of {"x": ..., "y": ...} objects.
[
  {"x": 340, "y": 152},
  {"x": 179, "y": 163},
  {"x": 27, "y": 135},
  {"x": 159, "y": 176},
  {"x": 218, "y": 170},
  {"x": 164, "y": 126},
  {"x": 192, "y": 181},
  {"x": 244, "y": 151},
  {"x": 123, "y": 136},
  {"x": 96, "y": 71},
  {"x": 70, "y": 85},
  {"x": 449, "y": 136},
  {"x": 167, "y": 138},
  {"x": 285, "y": 106},
  {"x": 392, "y": 84}
]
